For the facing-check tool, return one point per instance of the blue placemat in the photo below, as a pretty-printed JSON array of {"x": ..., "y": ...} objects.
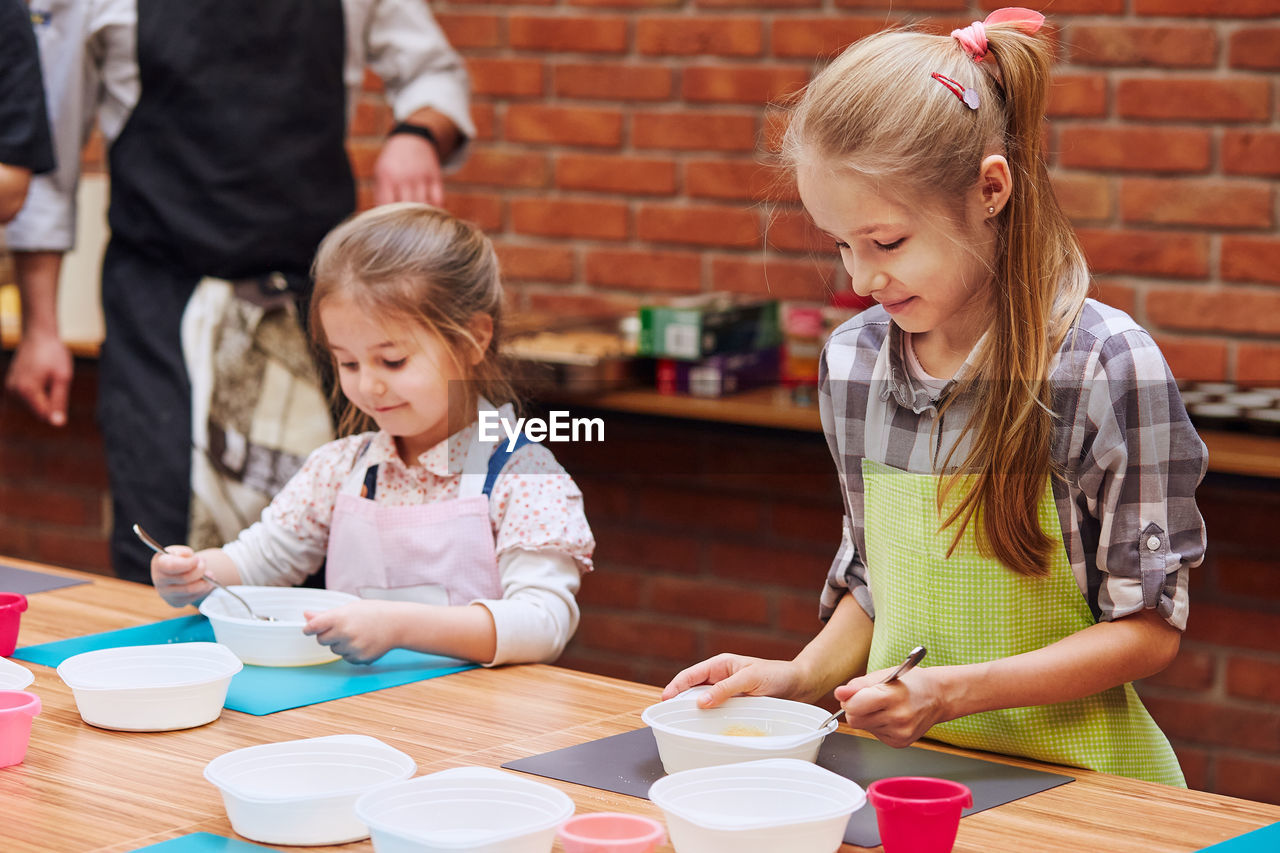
[
  {"x": 262, "y": 689},
  {"x": 202, "y": 842},
  {"x": 1264, "y": 840}
]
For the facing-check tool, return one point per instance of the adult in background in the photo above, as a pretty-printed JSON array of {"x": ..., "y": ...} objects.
[
  {"x": 225, "y": 125},
  {"x": 25, "y": 147}
]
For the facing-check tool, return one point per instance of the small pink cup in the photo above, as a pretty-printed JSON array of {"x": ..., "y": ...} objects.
[
  {"x": 11, "y": 606},
  {"x": 17, "y": 708},
  {"x": 611, "y": 832},
  {"x": 918, "y": 814}
]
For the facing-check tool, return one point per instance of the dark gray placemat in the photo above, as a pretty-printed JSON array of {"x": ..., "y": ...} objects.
[
  {"x": 628, "y": 764},
  {"x": 14, "y": 579}
]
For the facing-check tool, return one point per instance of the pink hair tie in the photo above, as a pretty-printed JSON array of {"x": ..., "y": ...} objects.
[{"x": 973, "y": 38}]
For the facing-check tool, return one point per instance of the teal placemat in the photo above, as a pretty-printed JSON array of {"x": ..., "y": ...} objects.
[
  {"x": 262, "y": 689},
  {"x": 1264, "y": 840},
  {"x": 202, "y": 842}
]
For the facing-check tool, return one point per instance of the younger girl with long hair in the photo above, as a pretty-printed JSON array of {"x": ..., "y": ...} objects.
[
  {"x": 458, "y": 546},
  {"x": 1017, "y": 466}
]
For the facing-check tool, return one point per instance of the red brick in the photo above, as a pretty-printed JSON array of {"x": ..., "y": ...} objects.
[
  {"x": 510, "y": 78},
  {"x": 694, "y": 131},
  {"x": 754, "y": 563},
  {"x": 720, "y": 602},
  {"x": 701, "y": 36},
  {"x": 700, "y": 225},
  {"x": 793, "y": 231},
  {"x": 743, "y": 84},
  {"x": 957, "y": 6},
  {"x": 754, "y": 643},
  {"x": 1195, "y": 359},
  {"x": 745, "y": 180},
  {"x": 372, "y": 118},
  {"x": 1077, "y": 96},
  {"x": 1069, "y": 7},
  {"x": 1252, "y": 678},
  {"x": 1084, "y": 198},
  {"x": 1109, "y": 44},
  {"x": 1251, "y": 152},
  {"x": 1146, "y": 253},
  {"x": 1236, "y": 627},
  {"x": 564, "y": 125},
  {"x": 564, "y": 304},
  {"x": 763, "y": 5},
  {"x": 1232, "y": 310},
  {"x": 1256, "y": 578},
  {"x": 1195, "y": 766},
  {"x": 628, "y": 4},
  {"x": 563, "y": 34},
  {"x": 504, "y": 168},
  {"x": 819, "y": 524},
  {"x": 62, "y": 507},
  {"x": 1203, "y": 722},
  {"x": 1255, "y": 48},
  {"x": 587, "y": 660},
  {"x": 637, "y": 634},
  {"x": 699, "y": 510},
  {"x": 363, "y": 155},
  {"x": 86, "y": 550},
  {"x": 601, "y": 220},
  {"x": 1134, "y": 149},
  {"x": 1258, "y": 364},
  {"x": 645, "y": 270},
  {"x": 483, "y": 209},
  {"x": 821, "y": 37},
  {"x": 1201, "y": 9},
  {"x": 810, "y": 280},
  {"x": 485, "y": 118},
  {"x": 798, "y": 614},
  {"x": 465, "y": 30},
  {"x": 535, "y": 263},
  {"x": 630, "y": 546},
  {"x": 1237, "y": 516},
  {"x": 1251, "y": 259},
  {"x": 1118, "y": 293},
  {"x": 616, "y": 174},
  {"x": 1204, "y": 203},
  {"x": 1192, "y": 669},
  {"x": 608, "y": 587},
  {"x": 612, "y": 81},
  {"x": 1250, "y": 778},
  {"x": 1195, "y": 99},
  {"x": 776, "y": 122}
]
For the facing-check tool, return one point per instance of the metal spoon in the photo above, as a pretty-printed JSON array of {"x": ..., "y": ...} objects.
[
  {"x": 151, "y": 543},
  {"x": 917, "y": 654}
]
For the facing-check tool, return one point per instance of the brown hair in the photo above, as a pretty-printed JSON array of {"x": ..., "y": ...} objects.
[
  {"x": 876, "y": 112},
  {"x": 417, "y": 264}
]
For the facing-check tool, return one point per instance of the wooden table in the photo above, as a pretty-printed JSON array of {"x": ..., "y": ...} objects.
[{"x": 86, "y": 789}]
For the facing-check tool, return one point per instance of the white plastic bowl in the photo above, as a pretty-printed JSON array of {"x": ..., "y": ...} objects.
[
  {"x": 304, "y": 791},
  {"x": 14, "y": 676},
  {"x": 151, "y": 688},
  {"x": 689, "y": 736},
  {"x": 477, "y": 809},
  {"x": 757, "y": 807},
  {"x": 278, "y": 643}
]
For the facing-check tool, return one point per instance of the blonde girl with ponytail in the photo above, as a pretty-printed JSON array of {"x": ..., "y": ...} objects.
[{"x": 1019, "y": 472}]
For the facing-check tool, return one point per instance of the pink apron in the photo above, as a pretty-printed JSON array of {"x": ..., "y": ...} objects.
[{"x": 434, "y": 553}]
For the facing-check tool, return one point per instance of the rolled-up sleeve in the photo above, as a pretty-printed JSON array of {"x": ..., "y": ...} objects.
[{"x": 1144, "y": 463}]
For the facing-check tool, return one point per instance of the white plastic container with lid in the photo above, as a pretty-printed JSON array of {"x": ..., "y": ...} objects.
[
  {"x": 304, "y": 791},
  {"x": 757, "y": 807},
  {"x": 14, "y": 676},
  {"x": 743, "y": 728},
  {"x": 278, "y": 643},
  {"x": 151, "y": 688},
  {"x": 476, "y": 809}
]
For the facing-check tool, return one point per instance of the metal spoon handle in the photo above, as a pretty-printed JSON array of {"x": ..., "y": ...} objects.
[
  {"x": 151, "y": 543},
  {"x": 917, "y": 654}
]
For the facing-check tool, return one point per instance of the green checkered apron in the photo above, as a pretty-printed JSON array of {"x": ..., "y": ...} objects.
[{"x": 969, "y": 608}]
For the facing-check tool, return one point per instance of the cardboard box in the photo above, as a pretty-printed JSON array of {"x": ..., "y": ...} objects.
[
  {"x": 719, "y": 375},
  {"x": 708, "y": 325}
]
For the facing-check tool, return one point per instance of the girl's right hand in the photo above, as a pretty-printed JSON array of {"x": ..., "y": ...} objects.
[
  {"x": 738, "y": 675},
  {"x": 178, "y": 576}
]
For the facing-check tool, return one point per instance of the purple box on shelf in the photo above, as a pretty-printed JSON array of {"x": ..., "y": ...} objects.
[{"x": 719, "y": 375}]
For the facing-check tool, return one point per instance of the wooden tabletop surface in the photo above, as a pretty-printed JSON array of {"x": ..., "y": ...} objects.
[{"x": 87, "y": 789}]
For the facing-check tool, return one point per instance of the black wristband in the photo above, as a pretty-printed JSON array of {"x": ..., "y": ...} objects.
[{"x": 417, "y": 130}]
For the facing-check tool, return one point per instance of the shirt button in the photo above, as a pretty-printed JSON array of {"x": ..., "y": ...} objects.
[{"x": 1153, "y": 543}]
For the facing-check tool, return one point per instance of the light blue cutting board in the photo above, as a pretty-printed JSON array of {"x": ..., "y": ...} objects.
[
  {"x": 1264, "y": 840},
  {"x": 262, "y": 690},
  {"x": 202, "y": 842}
]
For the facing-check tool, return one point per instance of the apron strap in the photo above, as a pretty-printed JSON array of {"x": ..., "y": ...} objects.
[{"x": 499, "y": 459}]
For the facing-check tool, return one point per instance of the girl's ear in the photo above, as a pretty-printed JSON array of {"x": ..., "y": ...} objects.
[
  {"x": 481, "y": 328},
  {"x": 995, "y": 184}
]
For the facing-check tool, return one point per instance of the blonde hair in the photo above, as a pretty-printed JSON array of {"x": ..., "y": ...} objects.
[
  {"x": 877, "y": 112},
  {"x": 416, "y": 264}
]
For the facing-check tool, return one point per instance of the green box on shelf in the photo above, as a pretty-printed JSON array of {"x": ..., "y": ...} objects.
[{"x": 708, "y": 325}]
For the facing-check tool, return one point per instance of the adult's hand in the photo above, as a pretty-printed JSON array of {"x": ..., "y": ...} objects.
[
  {"x": 898, "y": 713},
  {"x": 40, "y": 374},
  {"x": 737, "y": 675},
  {"x": 408, "y": 169}
]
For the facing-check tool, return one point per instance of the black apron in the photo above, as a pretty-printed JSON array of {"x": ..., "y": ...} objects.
[{"x": 232, "y": 165}]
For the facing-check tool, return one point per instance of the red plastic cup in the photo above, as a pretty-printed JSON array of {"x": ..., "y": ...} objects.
[
  {"x": 11, "y": 606},
  {"x": 917, "y": 814},
  {"x": 610, "y": 832},
  {"x": 17, "y": 708}
]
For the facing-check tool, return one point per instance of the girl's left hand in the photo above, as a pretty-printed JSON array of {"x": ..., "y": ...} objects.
[
  {"x": 898, "y": 713},
  {"x": 357, "y": 631}
]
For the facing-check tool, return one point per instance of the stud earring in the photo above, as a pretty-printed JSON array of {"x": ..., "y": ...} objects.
[{"x": 991, "y": 209}]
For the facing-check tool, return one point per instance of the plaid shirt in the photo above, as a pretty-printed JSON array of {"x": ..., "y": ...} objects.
[{"x": 1129, "y": 456}]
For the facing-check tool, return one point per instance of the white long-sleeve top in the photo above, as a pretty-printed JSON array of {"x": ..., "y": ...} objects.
[{"x": 88, "y": 50}]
